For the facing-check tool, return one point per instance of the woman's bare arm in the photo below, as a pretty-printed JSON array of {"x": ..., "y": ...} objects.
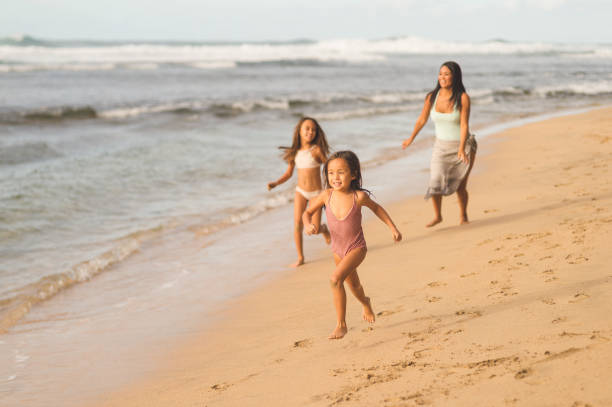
[
  {"x": 420, "y": 123},
  {"x": 464, "y": 125}
]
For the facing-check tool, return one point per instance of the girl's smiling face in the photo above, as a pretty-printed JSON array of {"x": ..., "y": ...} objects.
[
  {"x": 445, "y": 77},
  {"x": 308, "y": 132},
  {"x": 339, "y": 175}
]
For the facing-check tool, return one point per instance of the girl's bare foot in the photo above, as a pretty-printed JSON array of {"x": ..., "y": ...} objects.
[
  {"x": 368, "y": 312},
  {"x": 325, "y": 231},
  {"x": 434, "y": 222},
  {"x": 339, "y": 332},
  {"x": 298, "y": 263},
  {"x": 464, "y": 220}
]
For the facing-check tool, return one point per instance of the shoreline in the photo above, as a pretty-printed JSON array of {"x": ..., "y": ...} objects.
[{"x": 194, "y": 375}]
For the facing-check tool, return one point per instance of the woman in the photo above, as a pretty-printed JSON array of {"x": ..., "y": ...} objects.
[{"x": 454, "y": 149}]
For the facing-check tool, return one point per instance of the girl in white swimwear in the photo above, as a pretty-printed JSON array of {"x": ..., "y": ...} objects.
[{"x": 308, "y": 151}]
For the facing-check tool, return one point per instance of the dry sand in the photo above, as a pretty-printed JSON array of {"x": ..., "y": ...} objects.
[{"x": 512, "y": 309}]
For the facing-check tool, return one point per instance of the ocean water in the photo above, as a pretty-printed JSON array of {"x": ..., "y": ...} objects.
[{"x": 133, "y": 176}]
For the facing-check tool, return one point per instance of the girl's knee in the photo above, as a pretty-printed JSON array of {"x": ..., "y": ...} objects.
[{"x": 335, "y": 281}]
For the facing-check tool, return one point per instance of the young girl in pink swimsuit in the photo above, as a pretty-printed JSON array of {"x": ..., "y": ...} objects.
[
  {"x": 343, "y": 200},
  {"x": 308, "y": 151}
]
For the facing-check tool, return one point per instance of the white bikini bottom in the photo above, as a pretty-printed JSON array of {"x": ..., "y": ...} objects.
[{"x": 308, "y": 195}]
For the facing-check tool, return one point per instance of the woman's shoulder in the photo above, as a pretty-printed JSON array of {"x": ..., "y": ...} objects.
[{"x": 465, "y": 98}]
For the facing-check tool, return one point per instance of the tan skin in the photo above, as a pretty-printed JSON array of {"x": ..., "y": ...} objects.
[
  {"x": 444, "y": 105},
  {"x": 309, "y": 180},
  {"x": 341, "y": 203}
]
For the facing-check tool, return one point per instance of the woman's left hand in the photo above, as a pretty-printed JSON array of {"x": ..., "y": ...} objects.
[{"x": 462, "y": 156}]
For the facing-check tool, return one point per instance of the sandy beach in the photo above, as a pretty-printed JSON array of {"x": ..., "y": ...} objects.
[{"x": 512, "y": 309}]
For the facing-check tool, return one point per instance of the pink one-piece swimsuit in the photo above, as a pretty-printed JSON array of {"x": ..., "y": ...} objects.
[{"x": 346, "y": 233}]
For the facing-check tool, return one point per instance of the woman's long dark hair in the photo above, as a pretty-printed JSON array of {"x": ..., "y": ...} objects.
[
  {"x": 457, "y": 86},
  {"x": 353, "y": 163},
  {"x": 319, "y": 140}
]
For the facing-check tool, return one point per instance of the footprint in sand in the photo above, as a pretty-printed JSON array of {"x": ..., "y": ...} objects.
[
  {"x": 548, "y": 301},
  {"x": 473, "y": 314},
  {"x": 337, "y": 372},
  {"x": 386, "y": 313},
  {"x": 436, "y": 284},
  {"x": 420, "y": 353},
  {"x": 559, "y": 320},
  {"x": 576, "y": 259},
  {"x": 368, "y": 329},
  {"x": 433, "y": 299},
  {"x": 581, "y": 404},
  {"x": 521, "y": 374},
  {"x": 220, "y": 386},
  {"x": 579, "y": 297},
  {"x": 304, "y": 343}
]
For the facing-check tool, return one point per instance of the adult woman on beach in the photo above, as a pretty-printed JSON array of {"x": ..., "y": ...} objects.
[{"x": 454, "y": 150}]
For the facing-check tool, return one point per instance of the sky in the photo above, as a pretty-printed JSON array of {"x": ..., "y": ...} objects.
[{"x": 571, "y": 21}]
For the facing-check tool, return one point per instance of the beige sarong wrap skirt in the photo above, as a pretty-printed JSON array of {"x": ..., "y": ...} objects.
[{"x": 447, "y": 170}]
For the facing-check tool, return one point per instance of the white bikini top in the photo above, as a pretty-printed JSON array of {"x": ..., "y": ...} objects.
[{"x": 304, "y": 159}]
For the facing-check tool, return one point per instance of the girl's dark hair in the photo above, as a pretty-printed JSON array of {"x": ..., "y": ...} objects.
[
  {"x": 457, "y": 86},
  {"x": 353, "y": 163},
  {"x": 319, "y": 140}
]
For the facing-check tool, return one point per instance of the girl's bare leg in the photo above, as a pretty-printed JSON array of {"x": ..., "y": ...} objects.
[
  {"x": 357, "y": 290},
  {"x": 462, "y": 193},
  {"x": 344, "y": 267},
  {"x": 299, "y": 206},
  {"x": 321, "y": 229},
  {"x": 437, "y": 205}
]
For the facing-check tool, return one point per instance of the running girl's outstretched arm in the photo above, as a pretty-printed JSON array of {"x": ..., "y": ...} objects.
[
  {"x": 421, "y": 121},
  {"x": 313, "y": 206},
  {"x": 364, "y": 199},
  {"x": 283, "y": 177}
]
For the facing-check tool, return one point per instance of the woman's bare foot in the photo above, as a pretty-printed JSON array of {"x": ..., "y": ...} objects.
[
  {"x": 434, "y": 222},
  {"x": 464, "y": 220},
  {"x": 325, "y": 231},
  {"x": 368, "y": 312},
  {"x": 339, "y": 332},
  {"x": 298, "y": 263}
]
